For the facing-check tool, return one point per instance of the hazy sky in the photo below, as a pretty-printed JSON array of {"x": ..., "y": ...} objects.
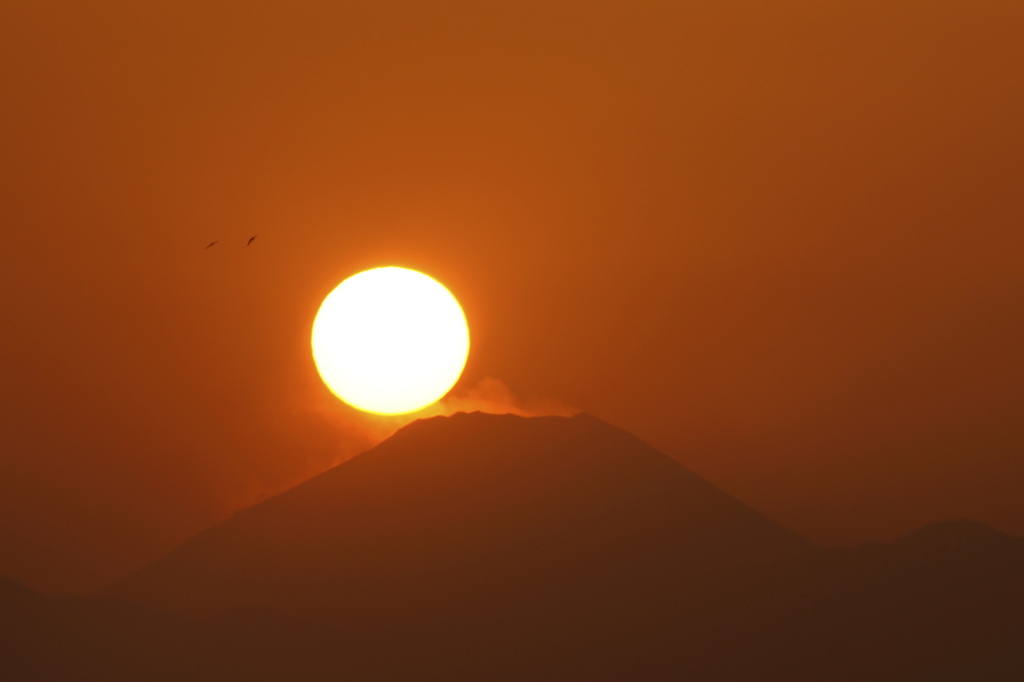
[{"x": 783, "y": 242}]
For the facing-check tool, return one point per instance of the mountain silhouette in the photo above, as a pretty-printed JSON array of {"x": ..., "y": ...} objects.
[
  {"x": 476, "y": 518},
  {"x": 482, "y": 547}
]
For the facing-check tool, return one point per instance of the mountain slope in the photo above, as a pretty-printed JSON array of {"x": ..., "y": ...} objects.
[{"x": 476, "y": 519}]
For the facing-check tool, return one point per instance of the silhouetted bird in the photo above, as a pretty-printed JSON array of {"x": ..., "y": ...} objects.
[
  {"x": 251, "y": 239},
  {"x": 212, "y": 243}
]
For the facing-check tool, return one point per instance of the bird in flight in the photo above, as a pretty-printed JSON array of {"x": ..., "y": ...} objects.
[
  {"x": 212, "y": 243},
  {"x": 251, "y": 239}
]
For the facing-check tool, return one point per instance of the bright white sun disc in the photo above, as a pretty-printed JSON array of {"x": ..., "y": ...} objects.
[{"x": 390, "y": 340}]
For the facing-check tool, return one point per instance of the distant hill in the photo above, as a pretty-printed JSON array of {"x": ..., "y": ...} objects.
[
  {"x": 54, "y": 639},
  {"x": 945, "y": 603}
]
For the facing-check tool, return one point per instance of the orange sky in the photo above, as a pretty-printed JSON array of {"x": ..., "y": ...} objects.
[{"x": 780, "y": 241}]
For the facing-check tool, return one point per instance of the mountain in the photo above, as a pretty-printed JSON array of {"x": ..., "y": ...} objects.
[
  {"x": 476, "y": 525},
  {"x": 481, "y": 547}
]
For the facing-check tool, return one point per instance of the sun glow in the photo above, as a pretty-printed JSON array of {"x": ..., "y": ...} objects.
[{"x": 390, "y": 340}]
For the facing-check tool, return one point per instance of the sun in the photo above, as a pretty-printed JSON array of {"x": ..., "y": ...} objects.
[{"x": 390, "y": 340}]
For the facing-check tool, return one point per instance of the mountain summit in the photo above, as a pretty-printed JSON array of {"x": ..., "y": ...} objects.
[{"x": 476, "y": 518}]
